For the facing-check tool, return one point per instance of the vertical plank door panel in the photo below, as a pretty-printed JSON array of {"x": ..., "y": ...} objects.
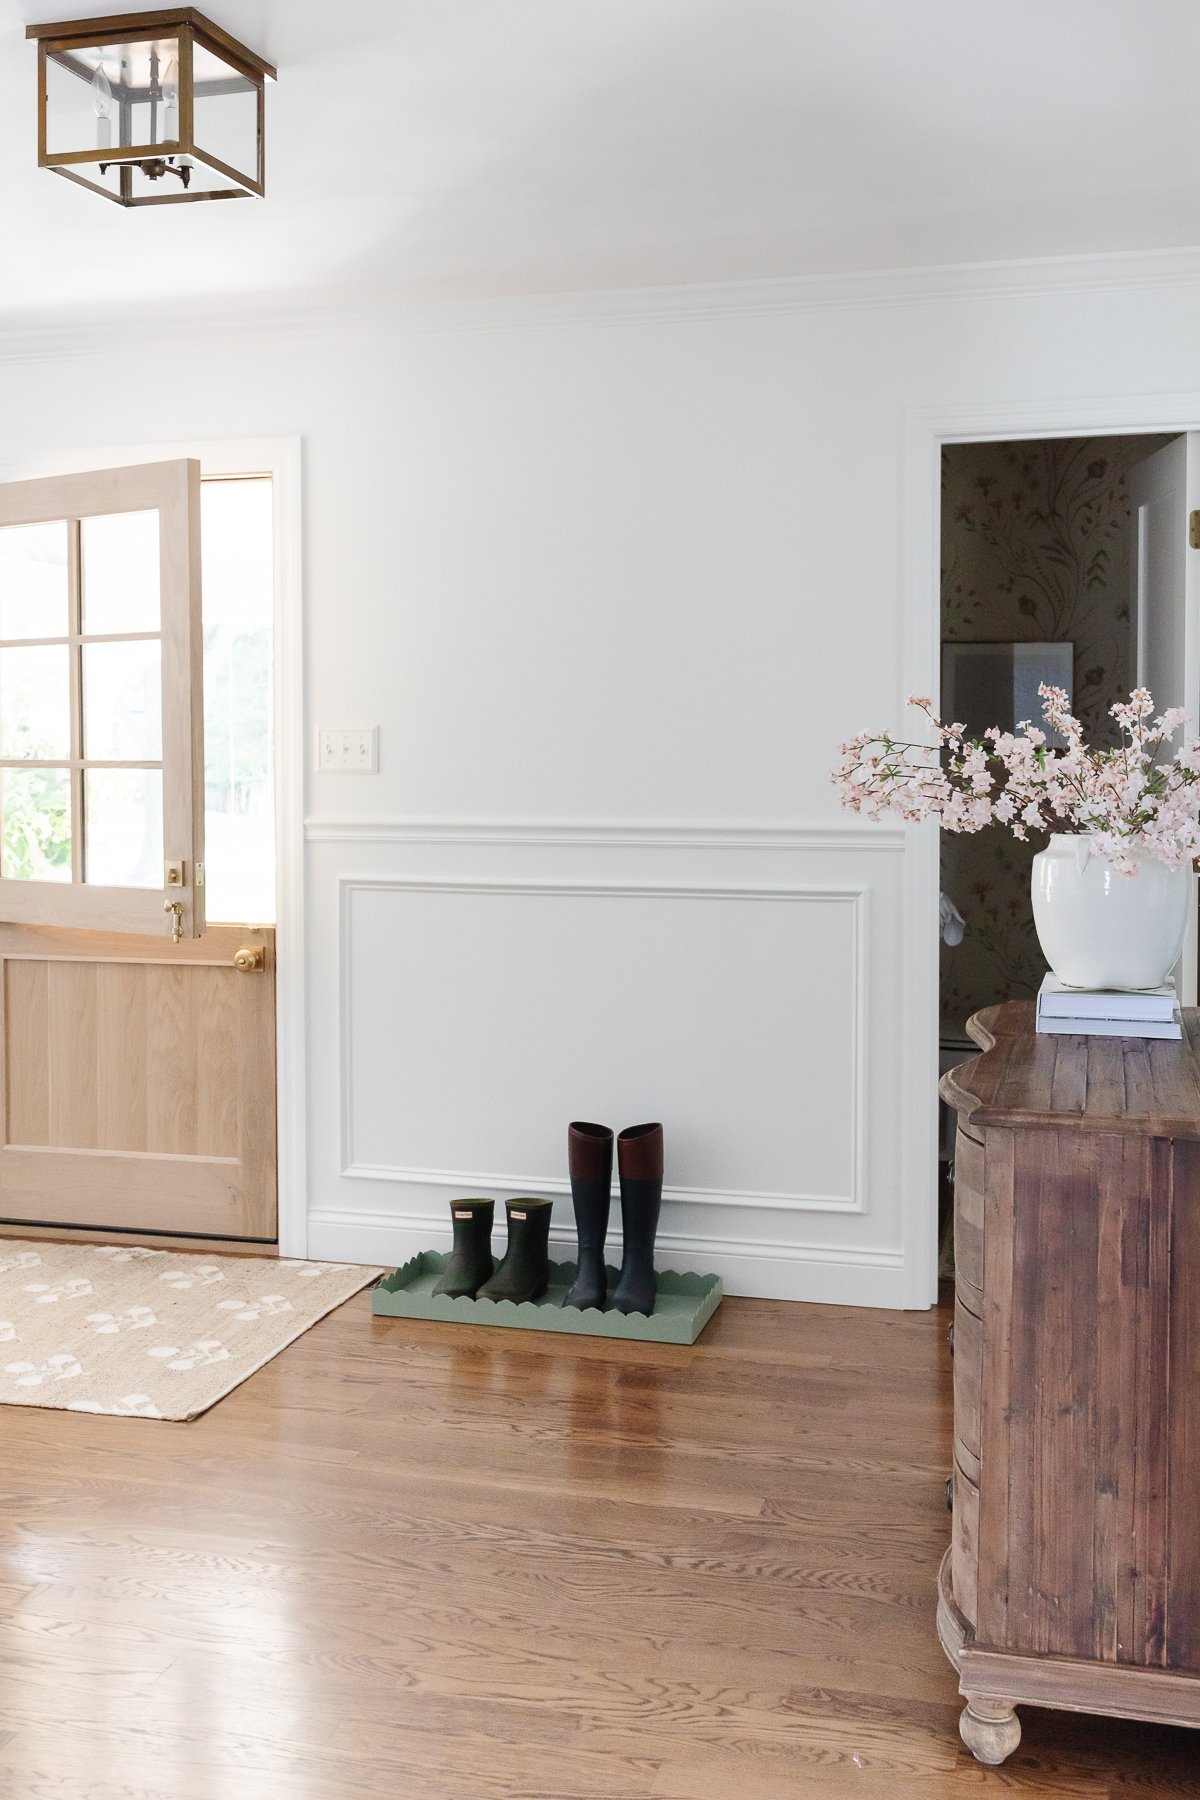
[{"x": 139, "y": 1082}]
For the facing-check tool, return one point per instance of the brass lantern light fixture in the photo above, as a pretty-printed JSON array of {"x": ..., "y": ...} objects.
[{"x": 151, "y": 108}]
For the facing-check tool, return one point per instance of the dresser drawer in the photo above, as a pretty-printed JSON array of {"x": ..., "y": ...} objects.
[
  {"x": 968, "y": 1369},
  {"x": 968, "y": 1209},
  {"x": 964, "y": 1552}
]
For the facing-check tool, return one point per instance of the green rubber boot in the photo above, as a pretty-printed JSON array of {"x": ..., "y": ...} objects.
[
  {"x": 525, "y": 1272},
  {"x": 470, "y": 1261}
]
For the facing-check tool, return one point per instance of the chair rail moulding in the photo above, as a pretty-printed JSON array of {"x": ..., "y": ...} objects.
[
  {"x": 853, "y": 897},
  {"x": 666, "y": 834},
  {"x": 467, "y": 1180}
]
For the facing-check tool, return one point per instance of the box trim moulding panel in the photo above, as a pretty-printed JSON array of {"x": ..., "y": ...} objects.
[
  {"x": 854, "y": 896},
  {"x": 666, "y": 834}
]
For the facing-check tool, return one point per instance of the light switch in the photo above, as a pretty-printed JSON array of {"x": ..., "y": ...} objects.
[{"x": 348, "y": 747}]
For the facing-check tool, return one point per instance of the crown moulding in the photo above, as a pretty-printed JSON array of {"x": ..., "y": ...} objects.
[{"x": 315, "y": 312}]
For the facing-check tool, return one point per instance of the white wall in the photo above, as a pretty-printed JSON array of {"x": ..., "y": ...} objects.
[{"x": 613, "y": 579}]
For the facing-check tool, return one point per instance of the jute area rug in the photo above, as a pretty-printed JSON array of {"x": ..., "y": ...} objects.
[{"x": 150, "y": 1334}]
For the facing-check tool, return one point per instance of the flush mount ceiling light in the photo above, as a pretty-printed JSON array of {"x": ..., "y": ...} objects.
[{"x": 150, "y": 108}]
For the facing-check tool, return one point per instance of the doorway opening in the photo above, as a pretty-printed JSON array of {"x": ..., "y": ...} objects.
[
  {"x": 1062, "y": 560},
  {"x": 159, "y": 1095}
]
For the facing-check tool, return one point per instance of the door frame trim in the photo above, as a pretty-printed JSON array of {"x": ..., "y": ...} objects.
[
  {"x": 282, "y": 459},
  {"x": 925, "y": 431}
]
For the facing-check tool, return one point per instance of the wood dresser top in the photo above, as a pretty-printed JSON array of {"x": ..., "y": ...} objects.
[{"x": 1145, "y": 1086}]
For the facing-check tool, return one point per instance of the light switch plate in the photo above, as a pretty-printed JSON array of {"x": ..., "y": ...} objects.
[{"x": 348, "y": 748}]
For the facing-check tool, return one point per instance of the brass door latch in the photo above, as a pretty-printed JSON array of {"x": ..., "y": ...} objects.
[{"x": 175, "y": 908}]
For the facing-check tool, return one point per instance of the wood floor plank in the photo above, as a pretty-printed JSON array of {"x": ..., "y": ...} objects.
[{"x": 454, "y": 1565}]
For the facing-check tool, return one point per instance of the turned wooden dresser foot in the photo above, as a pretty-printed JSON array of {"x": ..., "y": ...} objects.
[{"x": 990, "y": 1729}]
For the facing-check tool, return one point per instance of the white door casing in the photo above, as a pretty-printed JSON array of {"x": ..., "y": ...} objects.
[
  {"x": 281, "y": 458},
  {"x": 926, "y": 430},
  {"x": 1164, "y": 490}
]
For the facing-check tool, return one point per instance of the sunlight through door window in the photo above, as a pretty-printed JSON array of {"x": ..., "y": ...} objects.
[{"x": 238, "y": 605}]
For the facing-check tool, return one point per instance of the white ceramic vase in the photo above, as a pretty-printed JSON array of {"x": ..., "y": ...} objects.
[{"x": 1101, "y": 929}]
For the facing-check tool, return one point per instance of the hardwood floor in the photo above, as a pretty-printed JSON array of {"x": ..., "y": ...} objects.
[{"x": 442, "y": 1564}]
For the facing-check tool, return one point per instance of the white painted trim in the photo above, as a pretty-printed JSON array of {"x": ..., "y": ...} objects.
[
  {"x": 29, "y": 340},
  {"x": 857, "y": 897},
  {"x": 473, "y": 1181},
  {"x": 926, "y": 429},
  {"x": 638, "y": 890},
  {"x": 291, "y": 1049},
  {"x": 665, "y": 834},
  {"x": 831, "y": 1274},
  {"x": 1112, "y": 415},
  {"x": 281, "y": 458}
]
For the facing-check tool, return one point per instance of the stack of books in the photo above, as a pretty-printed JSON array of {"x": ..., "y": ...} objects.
[{"x": 1098, "y": 1012}]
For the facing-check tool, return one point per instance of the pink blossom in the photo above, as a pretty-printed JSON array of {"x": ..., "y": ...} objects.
[{"x": 1130, "y": 802}]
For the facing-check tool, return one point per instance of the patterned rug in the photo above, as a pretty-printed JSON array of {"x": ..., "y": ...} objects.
[{"x": 150, "y": 1334}]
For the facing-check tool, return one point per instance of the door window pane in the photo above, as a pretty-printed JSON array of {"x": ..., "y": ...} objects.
[
  {"x": 33, "y": 580},
  {"x": 123, "y": 828},
  {"x": 119, "y": 557},
  {"x": 35, "y": 807},
  {"x": 239, "y": 813},
  {"x": 35, "y": 703},
  {"x": 122, "y": 701}
]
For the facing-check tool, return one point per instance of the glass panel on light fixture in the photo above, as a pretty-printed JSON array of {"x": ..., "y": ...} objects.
[
  {"x": 83, "y": 108},
  {"x": 120, "y": 572},
  {"x": 105, "y": 96},
  {"x": 33, "y": 580},
  {"x": 226, "y": 113},
  {"x": 35, "y": 824},
  {"x": 122, "y": 701},
  {"x": 82, "y": 111},
  {"x": 35, "y": 703},
  {"x": 123, "y": 827},
  {"x": 151, "y": 72}
]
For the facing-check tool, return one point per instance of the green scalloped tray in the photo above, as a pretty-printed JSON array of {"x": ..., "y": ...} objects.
[{"x": 685, "y": 1304}]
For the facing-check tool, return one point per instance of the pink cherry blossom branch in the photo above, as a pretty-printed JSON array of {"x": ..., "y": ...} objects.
[{"x": 1129, "y": 801}]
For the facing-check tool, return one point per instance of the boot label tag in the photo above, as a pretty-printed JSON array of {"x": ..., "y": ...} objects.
[
  {"x": 464, "y": 1215},
  {"x": 518, "y": 1215}
]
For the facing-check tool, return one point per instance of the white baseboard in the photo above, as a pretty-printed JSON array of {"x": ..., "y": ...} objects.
[{"x": 830, "y": 1275}]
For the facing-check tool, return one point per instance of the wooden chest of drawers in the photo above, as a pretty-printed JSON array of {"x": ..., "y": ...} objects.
[{"x": 1073, "y": 1574}]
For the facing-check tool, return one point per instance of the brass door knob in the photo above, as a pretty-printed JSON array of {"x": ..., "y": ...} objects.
[{"x": 249, "y": 960}]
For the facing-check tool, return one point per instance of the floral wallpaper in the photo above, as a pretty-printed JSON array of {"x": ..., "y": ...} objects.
[{"x": 1036, "y": 546}]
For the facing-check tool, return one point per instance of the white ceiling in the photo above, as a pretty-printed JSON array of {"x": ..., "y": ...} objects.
[{"x": 456, "y": 147}]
